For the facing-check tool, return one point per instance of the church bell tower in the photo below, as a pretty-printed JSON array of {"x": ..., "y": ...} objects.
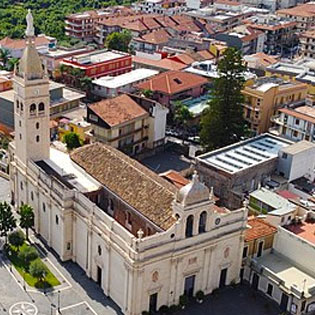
[{"x": 31, "y": 103}]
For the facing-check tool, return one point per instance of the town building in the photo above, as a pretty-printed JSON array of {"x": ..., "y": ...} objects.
[
  {"x": 99, "y": 63},
  {"x": 279, "y": 32},
  {"x": 124, "y": 83},
  {"x": 62, "y": 99},
  {"x": 301, "y": 70},
  {"x": 83, "y": 25},
  {"x": 302, "y": 14},
  {"x": 236, "y": 170},
  {"x": 170, "y": 86},
  {"x": 5, "y": 80},
  {"x": 16, "y": 46},
  {"x": 128, "y": 123},
  {"x": 125, "y": 226},
  {"x": 307, "y": 40},
  {"x": 265, "y": 96},
  {"x": 286, "y": 274},
  {"x": 258, "y": 62},
  {"x": 245, "y": 38},
  {"x": 52, "y": 57},
  {"x": 164, "y": 7},
  {"x": 295, "y": 123}
]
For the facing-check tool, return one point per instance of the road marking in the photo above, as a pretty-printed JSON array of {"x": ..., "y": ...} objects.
[
  {"x": 23, "y": 308},
  {"x": 78, "y": 304}
]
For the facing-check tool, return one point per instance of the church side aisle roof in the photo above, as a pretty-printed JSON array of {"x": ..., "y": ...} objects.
[{"x": 141, "y": 188}]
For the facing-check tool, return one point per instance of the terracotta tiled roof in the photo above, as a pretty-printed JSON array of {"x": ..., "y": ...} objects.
[
  {"x": 304, "y": 112},
  {"x": 258, "y": 229},
  {"x": 21, "y": 43},
  {"x": 264, "y": 59},
  {"x": 206, "y": 54},
  {"x": 141, "y": 188},
  {"x": 228, "y": 2},
  {"x": 309, "y": 34},
  {"x": 5, "y": 130},
  {"x": 155, "y": 37},
  {"x": 166, "y": 64},
  {"x": 306, "y": 10},
  {"x": 172, "y": 82},
  {"x": 270, "y": 27},
  {"x": 118, "y": 110},
  {"x": 305, "y": 230},
  {"x": 287, "y": 194},
  {"x": 175, "y": 178}
]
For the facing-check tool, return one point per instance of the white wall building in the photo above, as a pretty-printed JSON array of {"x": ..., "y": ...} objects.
[
  {"x": 124, "y": 83},
  {"x": 144, "y": 242}
]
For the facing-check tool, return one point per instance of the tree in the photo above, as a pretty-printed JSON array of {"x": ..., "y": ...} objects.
[
  {"x": 11, "y": 63},
  {"x": 7, "y": 220},
  {"x": 222, "y": 123},
  {"x": 72, "y": 140},
  {"x": 28, "y": 254},
  {"x": 86, "y": 85},
  {"x": 182, "y": 114},
  {"x": 4, "y": 57},
  {"x": 38, "y": 270},
  {"x": 118, "y": 41},
  {"x": 26, "y": 218},
  {"x": 147, "y": 93},
  {"x": 16, "y": 239}
]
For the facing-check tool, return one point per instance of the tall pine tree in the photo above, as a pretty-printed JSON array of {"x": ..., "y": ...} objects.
[{"x": 222, "y": 123}]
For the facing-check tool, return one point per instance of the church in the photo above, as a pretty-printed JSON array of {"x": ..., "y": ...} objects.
[{"x": 143, "y": 240}]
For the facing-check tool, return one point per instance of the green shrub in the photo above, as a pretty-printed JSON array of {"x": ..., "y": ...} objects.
[
  {"x": 163, "y": 309},
  {"x": 183, "y": 300},
  {"x": 28, "y": 254},
  {"x": 200, "y": 295},
  {"x": 16, "y": 239}
]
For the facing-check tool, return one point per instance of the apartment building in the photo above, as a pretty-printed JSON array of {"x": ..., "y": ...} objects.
[
  {"x": 165, "y": 7},
  {"x": 303, "y": 15},
  {"x": 301, "y": 70},
  {"x": 266, "y": 96},
  {"x": 295, "y": 123},
  {"x": 83, "y": 25},
  {"x": 307, "y": 40},
  {"x": 279, "y": 32},
  {"x": 98, "y": 63}
]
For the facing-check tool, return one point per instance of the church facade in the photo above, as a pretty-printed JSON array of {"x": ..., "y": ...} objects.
[{"x": 141, "y": 239}]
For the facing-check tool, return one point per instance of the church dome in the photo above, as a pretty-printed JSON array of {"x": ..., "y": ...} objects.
[
  {"x": 193, "y": 193},
  {"x": 30, "y": 66}
]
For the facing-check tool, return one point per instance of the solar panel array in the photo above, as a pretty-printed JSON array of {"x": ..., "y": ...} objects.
[{"x": 246, "y": 155}]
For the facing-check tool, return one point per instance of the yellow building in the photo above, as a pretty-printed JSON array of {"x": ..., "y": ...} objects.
[
  {"x": 79, "y": 126},
  {"x": 265, "y": 96}
]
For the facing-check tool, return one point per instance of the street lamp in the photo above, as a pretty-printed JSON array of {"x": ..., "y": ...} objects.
[{"x": 59, "y": 301}]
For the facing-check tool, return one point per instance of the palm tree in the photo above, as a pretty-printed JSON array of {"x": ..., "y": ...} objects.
[
  {"x": 86, "y": 85},
  {"x": 11, "y": 63},
  {"x": 26, "y": 218},
  {"x": 76, "y": 75}
]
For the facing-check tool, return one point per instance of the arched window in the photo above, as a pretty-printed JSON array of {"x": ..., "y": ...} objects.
[
  {"x": 202, "y": 222},
  {"x": 37, "y": 138},
  {"x": 17, "y": 104},
  {"x": 32, "y": 108},
  {"x": 37, "y": 125},
  {"x": 22, "y": 106},
  {"x": 41, "y": 106},
  {"x": 189, "y": 226}
]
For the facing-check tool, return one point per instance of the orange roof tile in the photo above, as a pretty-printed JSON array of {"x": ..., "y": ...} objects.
[
  {"x": 172, "y": 82},
  {"x": 21, "y": 43},
  {"x": 175, "y": 178},
  {"x": 166, "y": 64},
  {"x": 258, "y": 229},
  {"x": 306, "y": 10},
  {"x": 306, "y": 230},
  {"x": 155, "y": 37},
  {"x": 118, "y": 110}
]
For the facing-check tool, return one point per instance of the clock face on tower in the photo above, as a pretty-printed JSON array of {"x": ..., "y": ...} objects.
[{"x": 36, "y": 92}]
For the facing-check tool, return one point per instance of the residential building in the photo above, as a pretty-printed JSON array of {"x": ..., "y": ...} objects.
[
  {"x": 279, "y": 32},
  {"x": 259, "y": 238},
  {"x": 164, "y": 7},
  {"x": 17, "y": 46},
  {"x": 236, "y": 170},
  {"x": 302, "y": 70},
  {"x": 62, "y": 99},
  {"x": 52, "y": 57},
  {"x": 295, "y": 123},
  {"x": 151, "y": 42},
  {"x": 307, "y": 40},
  {"x": 124, "y": 83},
  {"x": 83, "y": 25},
  {"x": 99, "y": 63},
  {"x": 297, "y": 160},
  {"x": 286, "y": 274},
  {"x": 126, "y": 125},
  {"x": 125, "y": 226},
  {"x": 174, "y": 85},
  {"x": 258, "y": 62},
  {"x": 245, "y": 38},
  {"x": 302, "y": 14},
  {"x": 265, "y": 96}
]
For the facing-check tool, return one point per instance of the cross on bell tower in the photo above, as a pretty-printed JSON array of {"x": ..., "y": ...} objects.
[{"x": 31, "y": 102}]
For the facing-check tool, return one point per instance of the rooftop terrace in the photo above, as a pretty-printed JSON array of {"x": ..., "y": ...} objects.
[{"x": 305, "y": 230}]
